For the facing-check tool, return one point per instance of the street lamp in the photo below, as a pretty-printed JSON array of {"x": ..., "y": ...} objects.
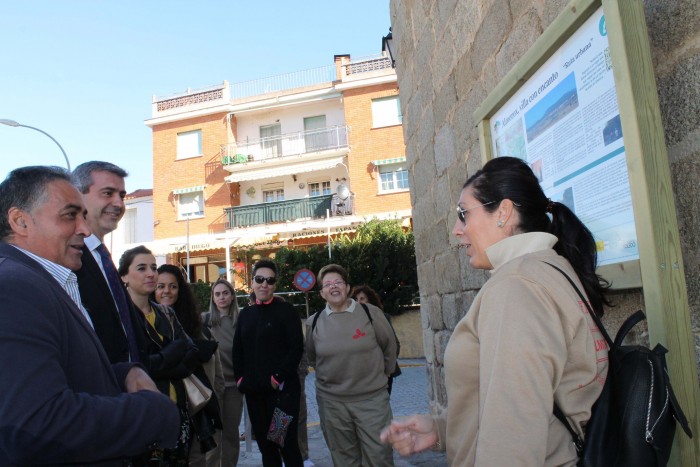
[
  {"x": 13, "y": 123},
  {"x": 387, "y": 42}
]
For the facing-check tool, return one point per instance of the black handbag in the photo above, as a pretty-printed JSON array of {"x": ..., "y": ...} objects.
[{"x": 633, "y": 422}]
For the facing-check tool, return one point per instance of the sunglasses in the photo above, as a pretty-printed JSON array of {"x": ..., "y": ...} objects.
[
  {"x": 261, "y": 279},
  {"x": 461, "y": 213}
]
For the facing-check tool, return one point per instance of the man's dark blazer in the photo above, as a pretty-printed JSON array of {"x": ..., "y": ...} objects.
[
  {"x": 62, "y": 401},
  {"x": 97, "y": 299}
]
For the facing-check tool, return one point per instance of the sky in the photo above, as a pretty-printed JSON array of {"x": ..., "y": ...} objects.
[{"x": 85, "y": 71}]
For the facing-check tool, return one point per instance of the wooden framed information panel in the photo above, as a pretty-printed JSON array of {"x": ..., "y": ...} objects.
[{"x": 564, "y": 120}]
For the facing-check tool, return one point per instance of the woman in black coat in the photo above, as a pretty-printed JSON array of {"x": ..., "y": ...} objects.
[{"x": 172, "y": 354}]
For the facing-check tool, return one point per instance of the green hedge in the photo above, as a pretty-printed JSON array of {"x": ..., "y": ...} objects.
[{"x": 381, "y": 255}]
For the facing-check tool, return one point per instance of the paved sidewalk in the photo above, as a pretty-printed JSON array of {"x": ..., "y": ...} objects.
[{"x": 409, "y": 396}]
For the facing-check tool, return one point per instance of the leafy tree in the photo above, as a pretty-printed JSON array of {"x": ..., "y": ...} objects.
[{"x": 202, "y": 294}]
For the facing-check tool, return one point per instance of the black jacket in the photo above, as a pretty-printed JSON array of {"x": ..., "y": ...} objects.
[
  {"x": 99, "y": 303},
  {"x": 268, "y": 342}
]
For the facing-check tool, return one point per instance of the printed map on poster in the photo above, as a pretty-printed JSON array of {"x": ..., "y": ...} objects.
[{"x": 564, "y": 121}]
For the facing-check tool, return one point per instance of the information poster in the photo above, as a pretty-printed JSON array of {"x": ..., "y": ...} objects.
[{"x": 564, "y": 121}]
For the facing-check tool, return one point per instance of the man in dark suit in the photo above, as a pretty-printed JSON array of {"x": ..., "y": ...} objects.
[
  {"x": 115, "y": 319},
  {"x": 62, "y": 401}
]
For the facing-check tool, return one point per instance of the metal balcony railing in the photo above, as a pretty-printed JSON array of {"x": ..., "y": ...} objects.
[
  {"x": 278, "y": 211},
  {"x": 291, "y": 144}
]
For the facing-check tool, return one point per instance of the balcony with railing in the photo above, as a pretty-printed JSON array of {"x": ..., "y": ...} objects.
[
  {"x": 314, "y": 207},
  {"x": 291, "y": 144}
]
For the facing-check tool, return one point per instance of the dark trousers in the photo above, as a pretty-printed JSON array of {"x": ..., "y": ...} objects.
[{"x": 260, "y": 408}]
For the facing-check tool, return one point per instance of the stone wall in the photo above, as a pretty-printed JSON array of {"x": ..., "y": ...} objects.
[{"x": 449, "y": 55}]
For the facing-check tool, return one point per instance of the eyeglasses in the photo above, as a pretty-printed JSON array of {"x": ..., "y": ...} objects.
[
  {"x": 337, "y": 283},
  {"x": 461, "y": 212},
  {"x": 261, "y": 279}
]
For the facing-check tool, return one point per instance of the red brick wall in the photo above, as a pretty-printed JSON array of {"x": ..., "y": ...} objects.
[
  {"x": 367, "y": 144},
  {"x": 170, "y": 174}
]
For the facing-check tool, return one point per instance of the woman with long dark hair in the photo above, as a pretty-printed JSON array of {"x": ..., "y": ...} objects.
[
  {"x": 173, "y": 291},
  {"x": 527, "y": 342},
  {"x": 172, "y": 355}
]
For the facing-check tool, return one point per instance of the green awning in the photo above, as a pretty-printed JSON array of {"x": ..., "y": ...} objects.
[
  {"x": 396, "y": 160},
  {"x": 192, "y": 189}
]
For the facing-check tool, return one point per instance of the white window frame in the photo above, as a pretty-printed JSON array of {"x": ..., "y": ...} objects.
[
  {"x": 189, "y": 144},
  {"x": 393, "y": 175},
  {"x": 386, "y": 111},
  {"x": 324, "y": 187},
  {"x": 189, "y": 206},
  {"x": 275, "y": 190}
]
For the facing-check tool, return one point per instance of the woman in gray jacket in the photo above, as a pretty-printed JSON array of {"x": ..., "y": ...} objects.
[{"x": 222, "y": 319}]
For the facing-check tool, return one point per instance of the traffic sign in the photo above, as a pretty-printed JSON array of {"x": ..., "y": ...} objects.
[{"x": 304, "y": 280}]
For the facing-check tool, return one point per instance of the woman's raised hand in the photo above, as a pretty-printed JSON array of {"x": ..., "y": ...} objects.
[{"x": 408, "y": 435}]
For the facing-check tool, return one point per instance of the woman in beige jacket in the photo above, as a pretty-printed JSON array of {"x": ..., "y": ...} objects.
[{"x": 527, "y": 341}]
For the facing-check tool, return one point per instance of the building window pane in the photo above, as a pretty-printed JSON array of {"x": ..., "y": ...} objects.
[
  {"x": 320, "y": 188},
  {"x": 270, "y": 141},
  {"x": 386, "y": 112},
  {"x": 189, "y": 144},
  {"x": 270, "y": 196},
  {"x": 402, "y": 179},
  {"x": 315, "y": 133},
  {"x": 393, "y": 177},
  {"x": 190, "y": 205}
]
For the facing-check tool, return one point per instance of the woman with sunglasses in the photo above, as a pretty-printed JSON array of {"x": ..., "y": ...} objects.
[
  {"x": 527, "y": 342},
  {"x": 353, "y": 350},
  {"x": 267, "y": 348}
]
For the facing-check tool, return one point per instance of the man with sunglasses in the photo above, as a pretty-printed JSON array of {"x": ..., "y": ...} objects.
[{"x": 267, "y": 348}]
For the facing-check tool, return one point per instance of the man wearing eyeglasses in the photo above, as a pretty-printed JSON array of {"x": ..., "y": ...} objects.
[{"x": 267, "y": 348}]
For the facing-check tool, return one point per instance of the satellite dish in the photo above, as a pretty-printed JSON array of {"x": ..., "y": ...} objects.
[{"x": 343, "y": 192}]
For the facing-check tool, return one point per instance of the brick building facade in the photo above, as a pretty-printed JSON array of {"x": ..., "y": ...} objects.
[{"x": 239, "y": 170}]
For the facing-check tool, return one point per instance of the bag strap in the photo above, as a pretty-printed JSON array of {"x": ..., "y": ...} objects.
[
  {"x": 367, "y": 313},
  {"x": 593, "y": 314},
  {"x": 313, "y": 323},
  {"x": 578, "y": 442}
]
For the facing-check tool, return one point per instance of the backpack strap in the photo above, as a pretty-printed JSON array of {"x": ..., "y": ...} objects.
[
  {"x": 313, "y": 323},
  {"x": 367, "y": 313},
  {"x": 578, "y": 442},
  {"x": 593, "y": 314}
]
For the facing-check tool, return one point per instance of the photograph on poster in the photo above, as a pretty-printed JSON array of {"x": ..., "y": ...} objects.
[
  {"x": 554, "y": 106},
  {"x": 564, "y": 121}
]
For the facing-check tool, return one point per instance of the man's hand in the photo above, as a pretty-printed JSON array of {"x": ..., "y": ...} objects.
[{"x": 138, "y": 380}]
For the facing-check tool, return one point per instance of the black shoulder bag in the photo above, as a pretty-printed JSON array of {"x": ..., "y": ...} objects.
[{"x": 633, "y": 422}]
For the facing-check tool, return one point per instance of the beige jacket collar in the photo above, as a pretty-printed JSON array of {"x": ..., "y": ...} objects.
[{"x": 518, "y": 245}]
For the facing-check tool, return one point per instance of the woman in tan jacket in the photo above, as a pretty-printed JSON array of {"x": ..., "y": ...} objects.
[{"x": 527, "y": 341}]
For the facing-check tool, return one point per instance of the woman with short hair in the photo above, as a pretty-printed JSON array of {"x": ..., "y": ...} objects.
[
  {"x": 353, "y": 350},
  {"x": 267, "y": 348}
]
